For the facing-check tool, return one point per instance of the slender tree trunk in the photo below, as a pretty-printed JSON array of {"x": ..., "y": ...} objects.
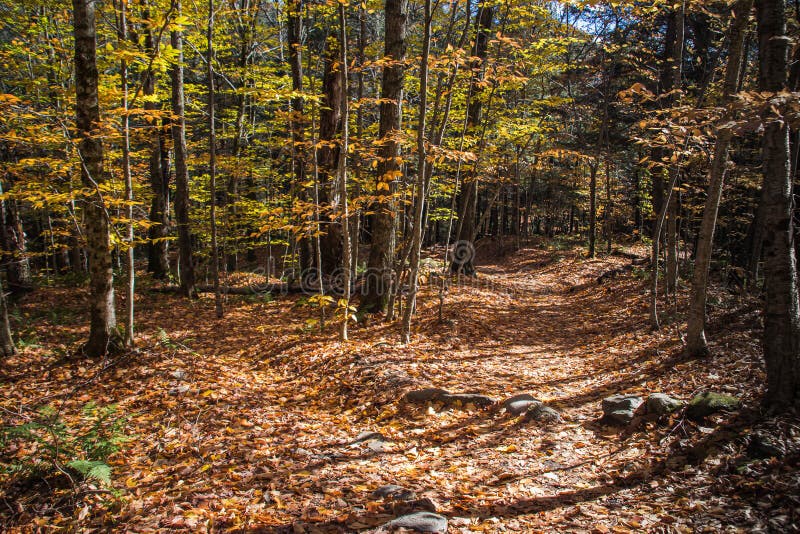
[
  {"x": 355, "y": 229},
  {"x": 419, "y": 207},
  {"x": 330, "y": 122},
  {"x": 382, "y": 244},
  {"x": 593, "y": 207},
  {"x": 675, "y": 70},
  {"x": 672, "y": 244},
  {"x": 781, "y": 310},
  {"x": 696, "y": 344},
  {"x": 158, "y": 233},
  {"x": 671, "y": 76},
  {"x": 212, "y": 159},
  {"x": 126, "y": 172},
  {"x": 187, "y": 272},
  {"x": 468, "y": 194},
  {"x": 295, "y": 33},
  {"x": 609, "y": 206},
  {"x": 103, "y": 325},
  {"x": 342, "y": 171},
  {"x": 6, "y": 339}
]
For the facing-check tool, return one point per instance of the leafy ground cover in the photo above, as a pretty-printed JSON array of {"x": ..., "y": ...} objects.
[{"x": 250, "y": 423}]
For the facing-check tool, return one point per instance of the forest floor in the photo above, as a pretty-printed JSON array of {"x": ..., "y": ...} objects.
[{"x": 247, "y": 423}]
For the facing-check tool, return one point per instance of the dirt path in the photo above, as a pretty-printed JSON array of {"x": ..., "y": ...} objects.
[{"x": 248, "y": 423}]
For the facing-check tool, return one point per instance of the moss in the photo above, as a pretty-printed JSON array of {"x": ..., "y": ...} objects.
[{"x": 707, "y": 403}]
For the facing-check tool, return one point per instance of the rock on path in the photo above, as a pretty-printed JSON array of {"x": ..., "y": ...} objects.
[
  {"x": 620, "y": 409},
  {"x": 417, "y": 522}
]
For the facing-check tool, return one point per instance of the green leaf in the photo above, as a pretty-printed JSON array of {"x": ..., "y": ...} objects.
[{"x": 92, "y": 469}]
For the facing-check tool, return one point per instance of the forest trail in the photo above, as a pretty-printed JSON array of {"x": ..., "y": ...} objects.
[{"x": 249, "y": 422}]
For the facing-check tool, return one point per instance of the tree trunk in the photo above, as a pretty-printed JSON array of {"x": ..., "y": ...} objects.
[
  {"x": 212, "y": 158},
  {"x": 593, "y": 208},
  {"x": 330, "y": 122},
  {"x": 670, "y": 80},
  {"x": 102, "y": 334},
  {"x": 187, "y": 274},
  {"x": 342, "y": 178},
  {"x": 672, "y": 244},
  {"x": 609, "y": 207},
  {"x": 158, "y": 233},
  {"x": 468, "y": 194},
  {"x": 696, "y": 344},
  {"x": 416, "y": 236},
  {"x": 781, "y": 309},
  {"x": 126, "y": 172},
  {"x": 295, "y": 34},
  {"x": 381, "y": 254},
  {"x": 6, "y": 339}
]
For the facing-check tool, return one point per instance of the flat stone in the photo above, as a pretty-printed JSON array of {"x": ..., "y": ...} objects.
[
  {"x": 620, "y": 417},
  {"x": 620, "y": 409},
  {"x": 662, "y": 404},
  {"x": 708, "y": 402},
  {"x": 418, "y": 522},
  {"x": 178, "y": 390},
  {"x": 394, "y": 492},
  {"x": 421, "y": 396},
  {"x": 521, "y": 406},
  {"x": 368, "y": 436},
  {"x": 425, "y": 504},
  {"x": 518, "y": 398},
  {"x": 542, "y": 414}
]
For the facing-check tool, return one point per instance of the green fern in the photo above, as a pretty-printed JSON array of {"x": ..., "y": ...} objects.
[
  {"x": 92, "y": 469},
  {"x": 84, "y": 450}
]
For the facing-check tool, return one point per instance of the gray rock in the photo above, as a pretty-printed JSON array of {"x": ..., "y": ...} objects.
[
  {"x": 394, "y": 492},
  {"x": 708, "y": 402},
  {"x": 518, "y": 398},
  {"x": 418, "y": 522},
  {"x": 463, "y": 399},
  {"x": 425, "y": 504},
  {"x": 542, "y": 414},
  {"x": 521, "y": 406},
  {"x": 368, "y": 436},
  {"x": 662, "y": 404},
  {"x": 178, "y": 390},
  {"x": 421, "y": 396},
  {"x": 620, "y": 409},
  {"x": 178, "y": 374}
]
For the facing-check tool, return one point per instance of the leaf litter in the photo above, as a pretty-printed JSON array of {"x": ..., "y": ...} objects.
[{"x": 251, "y": 423}]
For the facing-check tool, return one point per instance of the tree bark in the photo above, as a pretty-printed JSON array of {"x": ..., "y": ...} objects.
[
  {"x": 419, "y": 207},
  {"x": 158, "y": 233},
  {"x": 382, "y": 244},
  {"x": 330, "y": 122},
  {"x": 672, "y": 244},
  {"x": 6, "y": 338},
  {"x": 696, "y": 344},
  {"x": 593, "y": 207},
  {"x": 187, "y": 266},
  {"x": 130, "y": 270},
  {"x": 342, "y": 177},
  {"x": 103, "y": 335},
  {"x": 468, "y": 193},
  {"x": 671, "y": 80},
  {"x": 294, "y": 34},
  {"x": 781, "y": 309},
  {"x": 212, "y": 158}
]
